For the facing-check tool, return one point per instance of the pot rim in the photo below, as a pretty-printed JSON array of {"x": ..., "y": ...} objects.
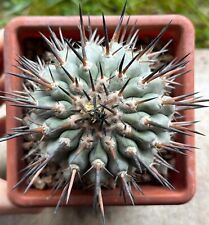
[{"x": 153, "y": 195}]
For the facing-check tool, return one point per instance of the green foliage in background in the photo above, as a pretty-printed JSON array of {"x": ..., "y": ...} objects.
[{"x": 196, "y": 10}]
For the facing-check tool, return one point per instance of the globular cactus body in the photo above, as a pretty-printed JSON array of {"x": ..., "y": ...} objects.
[{"x": 103, "y": 111}]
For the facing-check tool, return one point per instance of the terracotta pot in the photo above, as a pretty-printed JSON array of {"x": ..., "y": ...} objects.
[{"x": 23, "y": 28}]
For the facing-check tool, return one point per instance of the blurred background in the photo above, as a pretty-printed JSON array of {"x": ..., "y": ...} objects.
[{"x": 196, "y": 10}]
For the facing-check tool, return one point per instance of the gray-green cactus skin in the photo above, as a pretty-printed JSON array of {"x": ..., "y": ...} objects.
[{"x": 102, "y": 109}]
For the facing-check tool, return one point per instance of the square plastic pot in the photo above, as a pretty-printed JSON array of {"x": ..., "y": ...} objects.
[{"x": 20, "y": 29}]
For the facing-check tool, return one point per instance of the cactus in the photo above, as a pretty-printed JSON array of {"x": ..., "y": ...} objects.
[{"x": 101, "y": 110}]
